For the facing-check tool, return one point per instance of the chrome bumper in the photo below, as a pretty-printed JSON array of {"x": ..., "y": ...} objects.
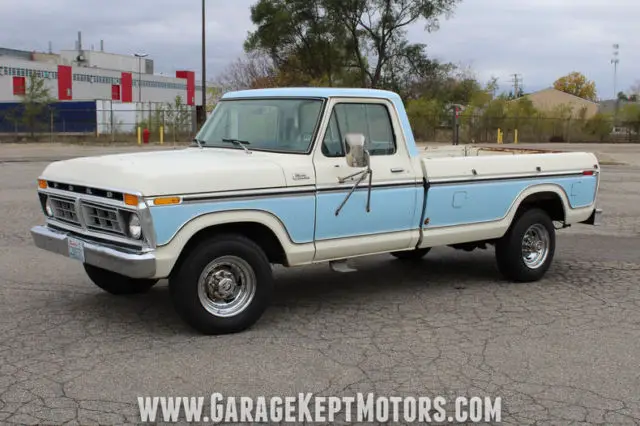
[
  {"x": 134, "y": 265},
  {"x": 595, "y": 218}
]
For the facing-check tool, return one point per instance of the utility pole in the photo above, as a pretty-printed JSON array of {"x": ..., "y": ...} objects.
[
  {"x": 615, "y": 61},
  {"x": 517, "y": 85},
  {"x": 204, "y": 66}
]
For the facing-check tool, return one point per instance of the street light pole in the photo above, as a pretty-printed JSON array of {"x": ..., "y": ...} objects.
[
  {"x": 140, "y": 56},
  {"x": 204, "y": 65}
]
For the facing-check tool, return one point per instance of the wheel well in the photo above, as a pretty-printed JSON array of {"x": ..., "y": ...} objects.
[
  {"x": 548, "y": 201},
  {"x": 260, "y": 234}
]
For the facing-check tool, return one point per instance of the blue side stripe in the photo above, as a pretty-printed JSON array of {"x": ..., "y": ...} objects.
[
  {"x": 392, "y": 209},
  {"x": 465, "y": 203}
]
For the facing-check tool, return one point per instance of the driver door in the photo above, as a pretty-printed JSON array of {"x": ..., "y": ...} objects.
[{"x": 394, "y": 212}]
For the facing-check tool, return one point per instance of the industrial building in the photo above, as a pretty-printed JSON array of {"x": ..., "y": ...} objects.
[{"x": 109, "y": 82}]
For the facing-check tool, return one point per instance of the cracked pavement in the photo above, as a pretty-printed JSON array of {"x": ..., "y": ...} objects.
[{"x": 565, "y": 350}]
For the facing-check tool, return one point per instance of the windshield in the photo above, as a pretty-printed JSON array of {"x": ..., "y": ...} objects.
[{"x": 284, "y": 125}]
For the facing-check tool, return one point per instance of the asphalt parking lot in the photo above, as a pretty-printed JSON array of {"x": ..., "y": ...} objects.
[{"x": 564, "y": 350}]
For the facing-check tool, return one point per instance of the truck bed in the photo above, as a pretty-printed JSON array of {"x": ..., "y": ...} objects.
[{"x": 469, "y": 163}]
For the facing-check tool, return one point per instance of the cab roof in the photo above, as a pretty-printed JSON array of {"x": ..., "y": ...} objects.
[{"x": 314, "y": 92}]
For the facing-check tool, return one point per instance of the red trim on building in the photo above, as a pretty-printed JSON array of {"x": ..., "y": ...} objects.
[
  {"x": 19, "y": 86},
  {"x": 115, "y": 92},
  {"x": 190, "y": 76},
  {"x": 65, "y": 83},
  {"x": 127, "y": 87}
]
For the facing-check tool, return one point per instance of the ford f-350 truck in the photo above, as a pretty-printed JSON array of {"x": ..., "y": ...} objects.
[{"x": 296, "y": 176}]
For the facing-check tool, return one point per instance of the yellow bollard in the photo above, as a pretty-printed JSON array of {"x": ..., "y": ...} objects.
[
  {"x": 499, "y": 136},
  {"x": 161, "y": 135},
  {"x": 515, "y": 136},
  {"x": 139, "y": 136}
]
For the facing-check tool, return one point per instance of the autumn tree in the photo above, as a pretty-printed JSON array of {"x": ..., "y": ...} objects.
[{"x": 577, "y": 84}]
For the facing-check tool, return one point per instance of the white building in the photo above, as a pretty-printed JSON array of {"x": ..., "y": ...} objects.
[
  {"x": 118, "y": 89},
  {"x": 99, "y": 76}
]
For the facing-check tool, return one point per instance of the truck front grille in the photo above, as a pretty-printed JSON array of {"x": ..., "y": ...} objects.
[
  {"x": 64, "y": 210},
  {"x": 103, "y": 219}
]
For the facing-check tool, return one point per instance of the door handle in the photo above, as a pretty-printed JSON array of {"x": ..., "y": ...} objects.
[{"x": 397, "y": 170}]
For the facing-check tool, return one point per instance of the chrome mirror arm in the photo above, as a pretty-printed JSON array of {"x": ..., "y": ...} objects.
[{"x": 363, "y": 174}]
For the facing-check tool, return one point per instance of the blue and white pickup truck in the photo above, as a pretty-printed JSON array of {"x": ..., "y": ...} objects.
[{"x": 296, "y": 176}]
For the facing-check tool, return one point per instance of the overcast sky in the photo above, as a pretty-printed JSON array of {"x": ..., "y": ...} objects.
[{"x": 538, "y": 39}]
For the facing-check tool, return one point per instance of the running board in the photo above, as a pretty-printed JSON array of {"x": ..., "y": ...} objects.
[{"x": 341, "y": 266}]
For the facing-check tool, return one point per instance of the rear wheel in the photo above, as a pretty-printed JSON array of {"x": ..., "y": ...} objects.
[
  {"x": 416, "y": 254},
  {"x": 114, "y": 283},
  {"x": 223, "y": 286},
  {"x": 525, "y": 253}
]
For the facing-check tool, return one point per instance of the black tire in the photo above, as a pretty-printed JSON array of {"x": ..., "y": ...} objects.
[
  {"x": 187, "y": 297},
  {"x": 510, "y": 255},
  {"x": 416, "y": 254},
  {"x": 114, "y": 283}
]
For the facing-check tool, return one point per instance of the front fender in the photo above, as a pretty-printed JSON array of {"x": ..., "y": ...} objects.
[{"x": 168, "y": 253}]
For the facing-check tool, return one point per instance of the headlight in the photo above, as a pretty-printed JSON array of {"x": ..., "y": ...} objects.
[
  {"x": 48, "y": 209},
  {"x": 135, "y": 229}
]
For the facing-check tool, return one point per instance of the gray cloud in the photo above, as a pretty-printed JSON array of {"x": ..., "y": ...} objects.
[{"x": 539, "y": 39}]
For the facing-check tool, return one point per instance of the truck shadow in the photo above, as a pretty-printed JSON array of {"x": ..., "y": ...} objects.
[
  {"x": 383, "y": 275},
  {"x": 306, "y": 289}
]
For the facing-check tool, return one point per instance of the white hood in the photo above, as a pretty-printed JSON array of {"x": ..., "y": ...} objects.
[{"x": 185, "y": 171}]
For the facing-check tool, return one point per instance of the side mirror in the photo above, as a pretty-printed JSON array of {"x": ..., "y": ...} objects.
[{"x": 356, "y": 157}]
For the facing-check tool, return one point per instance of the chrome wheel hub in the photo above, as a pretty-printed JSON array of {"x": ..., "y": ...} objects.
[
  {"x": 535, "y": 246},
  {"x": 226, "y": 286}
]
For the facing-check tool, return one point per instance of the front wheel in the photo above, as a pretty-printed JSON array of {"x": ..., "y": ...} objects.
[
  {"x": 223, "y": 286},
  {"x": 114, "y": 283},
  {"x": 525, "y": 253}
]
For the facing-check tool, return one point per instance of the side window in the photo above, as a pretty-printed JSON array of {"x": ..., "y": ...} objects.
[{"x": 372, "y": 120}]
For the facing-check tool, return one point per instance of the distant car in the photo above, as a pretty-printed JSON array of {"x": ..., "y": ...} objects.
[{"x": 300, "y": 176}]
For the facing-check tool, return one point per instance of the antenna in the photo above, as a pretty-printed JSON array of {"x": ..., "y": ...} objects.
[{"x": 615, "y": 61}]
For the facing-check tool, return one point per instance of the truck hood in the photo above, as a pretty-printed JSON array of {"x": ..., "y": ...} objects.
[{"x": 186, "y": 171}]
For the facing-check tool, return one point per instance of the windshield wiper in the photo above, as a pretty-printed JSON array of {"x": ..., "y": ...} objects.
[
  {"x": 239, "y": 143},
  {"x": 199, "y": 142}
]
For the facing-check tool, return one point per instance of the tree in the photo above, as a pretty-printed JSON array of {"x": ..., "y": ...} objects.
[
  {"x": 252, "y": 71},
  {"x": 631, "y": 118},
  {"x": 177, "y": 115},
  {"x": 577, "y": 84},
  {"x": 600, "y": 125},
  {"x": 425, "y": 115},
  {"x": 343, "y": 42},
  {"x": 34, "y": 112}
]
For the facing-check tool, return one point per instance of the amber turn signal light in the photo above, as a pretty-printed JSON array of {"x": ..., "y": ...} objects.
[
  {"x": 130, "y": 199},
  {"x": 163, "y": 201}
]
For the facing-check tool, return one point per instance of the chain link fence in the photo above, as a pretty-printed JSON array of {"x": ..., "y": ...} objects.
[
  {"x": 486, "y": 129},
  {"x": 97, "y": 121}
]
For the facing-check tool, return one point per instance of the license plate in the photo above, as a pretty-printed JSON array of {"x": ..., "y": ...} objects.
[{"x": 76, "y": 249}]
